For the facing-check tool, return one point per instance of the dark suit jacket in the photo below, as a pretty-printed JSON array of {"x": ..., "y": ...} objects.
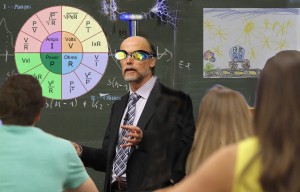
[{"x": 172, "y": 155}]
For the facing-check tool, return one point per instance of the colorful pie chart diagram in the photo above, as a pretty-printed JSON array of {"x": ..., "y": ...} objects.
[{"x": 65, "y": 49}]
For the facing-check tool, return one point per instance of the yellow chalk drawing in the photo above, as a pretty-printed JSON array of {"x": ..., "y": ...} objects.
[
  {"x": 220, "y": 33},
  {"x": 207, "y": 24},
  {"x": 217, "y": 50}
]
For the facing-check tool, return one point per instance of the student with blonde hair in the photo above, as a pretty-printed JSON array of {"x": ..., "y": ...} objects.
[
  {"x": 270, "y": 161},
  {"x": 224, "y": 118}
]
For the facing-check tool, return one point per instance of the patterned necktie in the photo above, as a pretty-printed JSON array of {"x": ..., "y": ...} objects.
[{"x": 120, "y": 162}]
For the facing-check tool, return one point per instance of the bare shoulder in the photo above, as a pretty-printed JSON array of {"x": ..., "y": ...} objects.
[
  {"x": 228, "y": 153},
  {"x": 214, "y": 175},
  {"x": 219, "y": 168}
]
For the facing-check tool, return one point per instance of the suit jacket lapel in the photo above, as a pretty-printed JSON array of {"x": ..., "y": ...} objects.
[{"x": 149, "y": 107}]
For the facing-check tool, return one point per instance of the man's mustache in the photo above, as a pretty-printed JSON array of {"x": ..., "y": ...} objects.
[{"x": 129, "y": 69}]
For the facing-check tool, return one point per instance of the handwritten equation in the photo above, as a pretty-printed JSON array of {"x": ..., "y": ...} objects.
[
  {"x": 184, "y": 65},
  {"x": 11, "y": 73},
  {"x": 93, "y": 104},
  {"x": 115, "y": 84},
  {"x": 99, "y": 102}
]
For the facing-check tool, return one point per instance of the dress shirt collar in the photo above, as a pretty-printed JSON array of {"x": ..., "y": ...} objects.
[{"x": 145, "y": 90}]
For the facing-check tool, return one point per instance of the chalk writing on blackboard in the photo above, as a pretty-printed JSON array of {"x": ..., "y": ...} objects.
[
  {"x": 11, "y": 73},
  {"x": 166, "y": 53},
  {"x": 98, "y": 102},
  {"x": 184, "y": 65},
  {"x": 92, "y": 104},
  {"x": 115, "y": 84},
  {"x": 6, "y": 40}
]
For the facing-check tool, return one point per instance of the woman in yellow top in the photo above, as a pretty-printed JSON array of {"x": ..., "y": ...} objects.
[{"x": 269, "y": 162}]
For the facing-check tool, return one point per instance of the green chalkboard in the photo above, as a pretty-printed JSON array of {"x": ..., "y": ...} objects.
[{"x": 177, "y": 35}]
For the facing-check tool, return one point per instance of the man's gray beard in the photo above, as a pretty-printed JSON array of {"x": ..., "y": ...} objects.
[
  {"x": 137, "y": 79},
  {"x": 134, "y": 79}
]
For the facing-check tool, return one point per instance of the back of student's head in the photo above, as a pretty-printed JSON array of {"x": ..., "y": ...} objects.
[
  {"x": 20, "y": 100},
  {"x": 277, "y": 122},
  {"x": 224, "y": 118}
]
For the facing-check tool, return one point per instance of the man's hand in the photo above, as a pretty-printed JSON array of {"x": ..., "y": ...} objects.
[
  {"x": 78, "y": 148},
  {"x": 134, "y": 136}
]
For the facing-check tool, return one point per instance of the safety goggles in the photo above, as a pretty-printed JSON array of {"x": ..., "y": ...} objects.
[{"x": 138, "y": 55}]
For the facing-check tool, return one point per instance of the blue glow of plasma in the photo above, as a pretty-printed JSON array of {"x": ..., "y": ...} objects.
[
  {"x": 130, "y": 17},
  {"x": 109, "y": 9},
  {"x": 104, "y": 7},
  {"x": 160, "y": 9}
]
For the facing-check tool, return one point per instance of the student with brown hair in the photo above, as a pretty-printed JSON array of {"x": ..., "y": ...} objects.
[
  {"x": 224, "y": 118},
  {"x": 269, "y": 162},
  {"x": 30, "y": 159}
]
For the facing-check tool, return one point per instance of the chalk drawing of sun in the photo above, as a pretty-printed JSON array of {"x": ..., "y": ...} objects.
[{"x": 249, "y": 32}]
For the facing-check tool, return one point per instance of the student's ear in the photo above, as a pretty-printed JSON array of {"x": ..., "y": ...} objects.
[{"x": 37, "y": 118}]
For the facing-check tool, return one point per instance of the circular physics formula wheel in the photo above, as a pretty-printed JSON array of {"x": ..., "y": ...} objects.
[{"x": 65, "y": 49}]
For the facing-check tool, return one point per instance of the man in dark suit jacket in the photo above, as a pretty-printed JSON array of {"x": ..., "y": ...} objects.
[{"x": 137, "y": 57}]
